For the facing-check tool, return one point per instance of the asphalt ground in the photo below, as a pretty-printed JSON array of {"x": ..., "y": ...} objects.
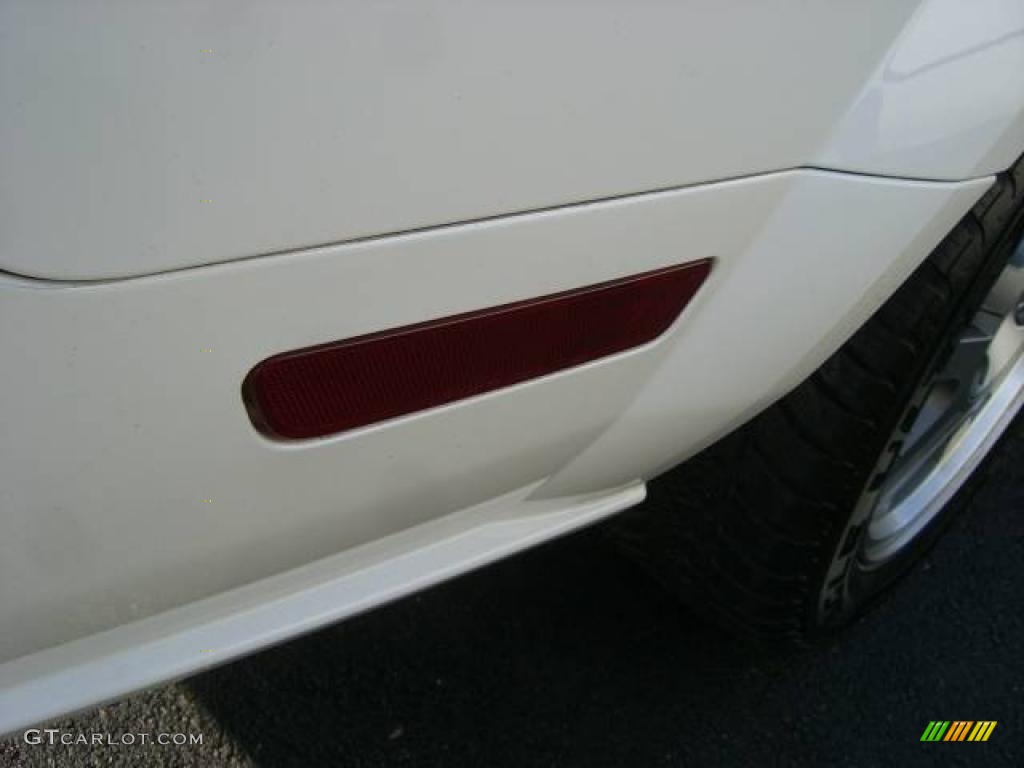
[{"x": 570, "y": 656}]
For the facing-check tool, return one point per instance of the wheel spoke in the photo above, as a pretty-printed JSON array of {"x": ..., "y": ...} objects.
[
  {"x": 911, "y": 471},
  {"x": 945, "y": 434}
]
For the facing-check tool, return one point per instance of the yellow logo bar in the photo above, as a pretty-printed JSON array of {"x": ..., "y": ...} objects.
[{"x": 982, "y": 730}]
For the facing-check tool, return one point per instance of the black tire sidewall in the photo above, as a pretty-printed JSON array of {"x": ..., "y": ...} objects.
[{"x": 863, "y": 585}]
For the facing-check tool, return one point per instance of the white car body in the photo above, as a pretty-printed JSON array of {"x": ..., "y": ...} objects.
[{"x": 188, "y": 189}]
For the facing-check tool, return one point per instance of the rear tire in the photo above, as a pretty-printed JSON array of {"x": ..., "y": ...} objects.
[{"x": 779, "y": 549}]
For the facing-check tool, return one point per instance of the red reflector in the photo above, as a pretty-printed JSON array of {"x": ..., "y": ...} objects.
[{"x": 351, "y": 383}]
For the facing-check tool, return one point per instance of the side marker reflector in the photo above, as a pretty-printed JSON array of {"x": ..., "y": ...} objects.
[{"x": 352, "y": 383}]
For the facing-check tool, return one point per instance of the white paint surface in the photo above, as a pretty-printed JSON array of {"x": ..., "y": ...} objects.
[{"x": 132, "y": 483}]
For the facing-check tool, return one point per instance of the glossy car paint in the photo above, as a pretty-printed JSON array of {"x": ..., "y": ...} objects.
[
  {"x": 135, "y": 484},
  {"x": 149, "y": 530},
  {"x": 142, "y": 137},
  {"x": 946, "y": 99}
]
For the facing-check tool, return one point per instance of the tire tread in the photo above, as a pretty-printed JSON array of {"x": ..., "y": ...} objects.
[{"x": 755, "y": 557}]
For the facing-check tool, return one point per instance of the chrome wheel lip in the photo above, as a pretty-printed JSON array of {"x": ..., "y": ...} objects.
[
  {"x": 971, "y": 446},
  {"x": 919, "y": 486}
]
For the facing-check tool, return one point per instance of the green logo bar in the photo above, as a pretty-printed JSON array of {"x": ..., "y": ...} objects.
[{"x": 935, "y": 731}]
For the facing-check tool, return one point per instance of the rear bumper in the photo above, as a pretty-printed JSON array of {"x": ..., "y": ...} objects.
[{"x": 150, "y": 530}]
